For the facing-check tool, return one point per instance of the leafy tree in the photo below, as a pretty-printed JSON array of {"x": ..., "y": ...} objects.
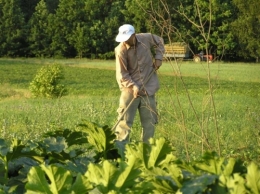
[
  {"x": 84, "y": 28},
  {"x": 206, "y": 25},
  {"x": 247, "y": 28},
  {"x": 69, "y": 15},
  {"x": 79, "y": 39},
  {"x": 101, "y": 40},
  {"x": 137, "y": 13},
  {"x": 221, "y": 38},
  {"x": 114, "y": 19},
  {"x": 39, "y": 38},
  {"x": 12, "y": 27},
  {"x": 80, "y": 28},
  {"x": 200, "y": 23}
]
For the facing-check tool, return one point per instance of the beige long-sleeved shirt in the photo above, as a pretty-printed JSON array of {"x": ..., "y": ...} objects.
[{"x": 134, "y": 64}]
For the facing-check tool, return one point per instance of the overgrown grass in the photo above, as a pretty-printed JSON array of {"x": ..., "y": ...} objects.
[{"x": 93, "y": 95}]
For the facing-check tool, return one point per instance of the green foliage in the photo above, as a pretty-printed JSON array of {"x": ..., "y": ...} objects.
[
  {"x": 54, "y": 179},
  {"x": 236, "y": 94},
  {"x": 47, "y": 82},
  {"x": 253, "y": 178},
  {"x": 12, "y": 27},
  {"x": 246, "y": 28},
  {"x": 101, "y": 138},
  {"x": 109, "y": 178},
  {"x": 148, "y": 168},
  {"x": 84, "y": 28},
  {"x": 11, "y": 161},
  {"x": 79, "y": 40},
  {"x": 39, "y": 38},
  {"x": 69, "y": 34}
]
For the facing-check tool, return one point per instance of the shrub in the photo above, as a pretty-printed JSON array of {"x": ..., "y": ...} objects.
[{"x": 47, "y": 82}]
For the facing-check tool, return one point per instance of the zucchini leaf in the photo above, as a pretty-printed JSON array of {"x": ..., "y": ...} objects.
[
  {"x": 253, "y": 178},
  {"x": 53, "y": 180},
  {"x": 71, "y": 137},
  {"x": 108, "y": 178},
  {"x": 198, "y": 184},
  {"x": 103, "y": 176},
  {"x": 102, "y": 138}
]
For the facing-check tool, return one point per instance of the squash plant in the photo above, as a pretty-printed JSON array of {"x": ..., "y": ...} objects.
[{"x": 85, "y": 160}]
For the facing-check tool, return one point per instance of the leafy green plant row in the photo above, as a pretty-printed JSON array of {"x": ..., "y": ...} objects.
[{"x": 86, "y": 160}]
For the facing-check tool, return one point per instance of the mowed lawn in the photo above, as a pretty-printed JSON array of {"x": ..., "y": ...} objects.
[{"x": 201, "y": 106}]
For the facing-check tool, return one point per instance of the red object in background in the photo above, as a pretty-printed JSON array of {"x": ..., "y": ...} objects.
[{"x": 202, "y": 57}]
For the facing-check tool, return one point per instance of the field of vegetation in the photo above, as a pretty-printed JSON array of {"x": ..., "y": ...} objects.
[
  {"x": 93, "y": 95},
  {"x": 201, "y": 108}
]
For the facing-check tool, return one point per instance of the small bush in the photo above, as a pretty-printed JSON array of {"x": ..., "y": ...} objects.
[{"x": 47, "y": 82}]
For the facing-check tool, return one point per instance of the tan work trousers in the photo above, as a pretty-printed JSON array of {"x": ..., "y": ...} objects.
[{"x": 146, "y": 105}]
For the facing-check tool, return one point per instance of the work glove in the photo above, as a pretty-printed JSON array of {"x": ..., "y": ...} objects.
[
  {"x": 157, "y": 64},
  {"x": 135, "y": 91}
]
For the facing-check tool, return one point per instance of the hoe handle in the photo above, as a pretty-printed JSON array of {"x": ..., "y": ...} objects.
[{"x": 131, "y": 102}]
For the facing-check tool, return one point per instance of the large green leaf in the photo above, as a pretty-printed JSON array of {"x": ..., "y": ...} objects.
[
  {"x": 55, "y": 144},
  {"x": 138, "y": 150},
  {"x": 215, "y": 165},
  {"x": 102, "y": 138},
  {"x": 10, "y": 153},
  {"x": 102, "y": 175},
  {"x": 81, "y": 185},
  {"x": 18, "y": 150},
  {"x": 3, "y": 173},
  {"x": 53, "y": 180},
  {"x": 235, "y": 185},
  {"x": 109, "y": 178},
  {"x": 5, "y": 189},
  {"x": 78, "y": 165},
  {"x": 71, "y": 137},
  {"x": 55, "y": 149},
  {"x": 198, "y": 184},
  {"x": 165, "y": 180},
  {"x": 165, "y": 184},
  {"x": 176, "y": 173},
  {"x": 4, "y": 148},
  {"x": 228, "y": 180},
  {"x": 37, "y": 182},
  {"x": 210, "y": 164},
  {"x": 157, "y": 153},
  {"x": 156, "y": 162},
  {"x": 127, "y": 174},
  {"x": 60, "y": 178},
  {"x": 253, "y": 178},
  {"x": 160, "y": 153},
  {"x": 17, "y": 173},
  {"x": 228, "y": 167}
]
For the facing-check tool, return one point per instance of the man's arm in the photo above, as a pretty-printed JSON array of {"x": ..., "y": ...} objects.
[{"x": 159, "y": 50}]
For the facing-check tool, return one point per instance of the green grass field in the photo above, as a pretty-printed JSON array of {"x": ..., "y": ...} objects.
[{"x": 187, "y": 115}]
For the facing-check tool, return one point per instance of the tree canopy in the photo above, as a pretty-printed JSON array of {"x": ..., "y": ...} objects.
[{"x": 87, "y": 28}]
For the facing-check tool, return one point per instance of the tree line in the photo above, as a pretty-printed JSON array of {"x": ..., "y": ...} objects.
[{"x": 87, "y": 28}]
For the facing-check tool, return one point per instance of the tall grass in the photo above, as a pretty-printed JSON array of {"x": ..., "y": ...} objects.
[{"x": 94, "y": 94}]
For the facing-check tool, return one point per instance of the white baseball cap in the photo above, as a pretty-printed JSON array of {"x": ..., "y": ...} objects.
[{"x": 125, "y": 32}]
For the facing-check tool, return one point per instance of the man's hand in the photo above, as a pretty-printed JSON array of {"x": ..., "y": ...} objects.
[
  {"x": 157, "y": 64},
  {"x": 135, "y": 91}
]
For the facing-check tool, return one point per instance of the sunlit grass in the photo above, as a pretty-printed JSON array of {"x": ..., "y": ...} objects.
[
  {"x": 29, "y": 118},
  {"x": 94, "y": 94}
]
